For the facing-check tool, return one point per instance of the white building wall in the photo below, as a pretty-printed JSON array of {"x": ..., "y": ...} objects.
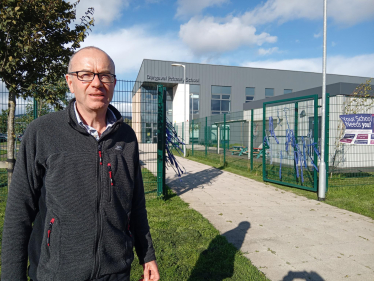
[{"x": 178, "y": 109}]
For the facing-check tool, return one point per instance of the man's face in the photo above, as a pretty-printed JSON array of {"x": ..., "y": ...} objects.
[{"x": 93, "y": 96}]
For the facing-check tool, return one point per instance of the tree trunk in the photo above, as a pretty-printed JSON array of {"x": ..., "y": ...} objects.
[{"x": 10, "y": 141}]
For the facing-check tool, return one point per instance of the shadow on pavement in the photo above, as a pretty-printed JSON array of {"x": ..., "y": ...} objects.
[
  {"x": 302, "y": 275},
  {"x": 217, "y": 262},
  {"x": 189, "y": 181}
]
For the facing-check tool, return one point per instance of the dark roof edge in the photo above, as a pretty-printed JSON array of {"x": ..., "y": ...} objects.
[{"x": 238, "y": 66}]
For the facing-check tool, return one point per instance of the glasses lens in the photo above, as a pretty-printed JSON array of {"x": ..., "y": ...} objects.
[
  {"x": 85, "y": 76},
  {"x": 106, "y": 78}
]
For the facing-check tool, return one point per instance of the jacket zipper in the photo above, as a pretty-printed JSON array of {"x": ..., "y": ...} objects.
[
  {"x": 110, "y": 174},
  {"x": 100, "y": 155},
  {"x": 98, "y": 231},
  {"x": 111, "y": 182},
  {"x": 50, "y": 230}
]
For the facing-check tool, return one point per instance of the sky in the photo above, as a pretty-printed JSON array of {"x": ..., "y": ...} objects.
[{"x": 278, "y": 34}]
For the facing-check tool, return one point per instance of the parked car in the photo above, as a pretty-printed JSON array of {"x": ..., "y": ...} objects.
[{"x": 3, "y": 137}]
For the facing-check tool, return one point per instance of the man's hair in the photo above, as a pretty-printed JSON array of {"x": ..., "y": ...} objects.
[{"x": 86, "y": 48}]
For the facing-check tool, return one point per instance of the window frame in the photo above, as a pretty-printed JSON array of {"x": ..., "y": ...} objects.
[
  {"x": 249, "y": 95},
  {"x": 223, "y": 95},
  {"x": 267, "y": 96}
]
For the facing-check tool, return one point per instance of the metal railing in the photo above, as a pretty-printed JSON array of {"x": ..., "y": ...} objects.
[
  {"x": 237, "y": 140},
  {"x": 140, "y": 108}
]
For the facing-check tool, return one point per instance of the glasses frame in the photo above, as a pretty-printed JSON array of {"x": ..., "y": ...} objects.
[{"x": 98, "y": 75}]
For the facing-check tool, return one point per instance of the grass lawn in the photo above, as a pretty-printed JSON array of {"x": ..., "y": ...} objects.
[
  {"x": 355, "y": 194},
  {"x": 187, "y": 246}
]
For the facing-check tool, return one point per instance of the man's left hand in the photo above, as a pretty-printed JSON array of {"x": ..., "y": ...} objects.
[{"x": 150, "y": 272}]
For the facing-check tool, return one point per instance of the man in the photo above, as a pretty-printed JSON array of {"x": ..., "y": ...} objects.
[{"x": 76, "y": 202}]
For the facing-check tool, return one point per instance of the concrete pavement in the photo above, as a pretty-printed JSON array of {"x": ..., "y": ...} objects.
[{"x": 288, "y": 237}]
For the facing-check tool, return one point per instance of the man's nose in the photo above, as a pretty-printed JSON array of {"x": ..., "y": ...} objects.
[{"x": 96, "y": 81}]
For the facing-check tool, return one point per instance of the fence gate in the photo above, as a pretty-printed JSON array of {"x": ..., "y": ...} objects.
[{"x": 290, "y": 147}]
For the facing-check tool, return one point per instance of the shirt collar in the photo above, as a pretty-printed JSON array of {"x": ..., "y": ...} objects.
[{"x": 110, "y": 120}]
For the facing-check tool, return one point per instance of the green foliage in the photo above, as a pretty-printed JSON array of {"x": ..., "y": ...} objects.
[
  {"x": 22, "y": 121},
  {"x": 3, "y": 121},
  {"x": 36, "y": 42}
]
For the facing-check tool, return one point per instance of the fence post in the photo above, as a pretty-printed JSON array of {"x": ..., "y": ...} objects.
[
  {"x": 218, "y": 137},
  {"x": 184, "y": 141},
  {"x": 224, "y": 139},
  {"x": 296, "y": 133},
  {"x": 263, "y": 142},
  {"x": 251, "y": 139},
  {"x": 192, "y": 128},
  {"x": 327, "y": 139},
  {"x": 35, "y": 108},
  {"x": 206, "y": 136},
  {"x": 315, "y": 133},
  {"x": 161, "y": 132}
]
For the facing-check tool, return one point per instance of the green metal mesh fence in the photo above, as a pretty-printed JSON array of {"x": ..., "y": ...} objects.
[
  {"x": 291, "y": 135},
  {"x": 349, "y": 165},
  {"x": 137, "y": 104},
  {"x": 236, "y": 140},
  {"x": 23, "y": 116}
]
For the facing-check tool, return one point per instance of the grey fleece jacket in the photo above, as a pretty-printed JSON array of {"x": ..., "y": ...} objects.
[{"x": 76, "y": 205}]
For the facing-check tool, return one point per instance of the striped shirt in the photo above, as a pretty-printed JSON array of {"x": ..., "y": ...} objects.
[{"x": 110, "y": 120}]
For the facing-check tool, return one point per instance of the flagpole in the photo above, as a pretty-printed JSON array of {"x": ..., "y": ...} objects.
[{"x": 322, "y": 165}]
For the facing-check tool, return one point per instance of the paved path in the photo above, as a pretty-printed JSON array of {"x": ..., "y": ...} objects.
[{"x": 286, "y": 236}]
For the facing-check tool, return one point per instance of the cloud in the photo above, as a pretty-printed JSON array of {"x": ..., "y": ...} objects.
[
  {"x": 193, "y": 7},
  {"x": 265, "y": 52},
  {"x": 210, "y": 35},
  {"x": 344, "y": 12},
  {"x": 317, "y": 35},
  {"x": 105, "y": 11},
  {"x": 333, "y": 44},
  {"x": 128, "y": 47},
  {"x": 349, "y": 12},
  {"x": 360, "y": 65}
]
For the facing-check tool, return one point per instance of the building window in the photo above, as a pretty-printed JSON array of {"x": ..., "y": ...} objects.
[
  {"x": 269, "y": 92},
  {"x": 287, "y": 91},
  {"x": 249, "y": 94},
  {"x": 194, "y": 101},
  {"x": 221, "y": 99}
]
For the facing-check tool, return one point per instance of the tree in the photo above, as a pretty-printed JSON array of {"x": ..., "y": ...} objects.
[{"x": 36, "y": 42}]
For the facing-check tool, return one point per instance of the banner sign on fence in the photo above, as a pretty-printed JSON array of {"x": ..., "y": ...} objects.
[{"x": 359, "y": 129}]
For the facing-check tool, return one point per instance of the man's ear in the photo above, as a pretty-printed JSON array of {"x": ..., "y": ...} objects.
[{"x": 69, "y": 81}]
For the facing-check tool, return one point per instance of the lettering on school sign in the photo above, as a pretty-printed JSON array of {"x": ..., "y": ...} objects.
[
  {"x": 359, "y": 129},
  {"x": 172, "y": 79}
]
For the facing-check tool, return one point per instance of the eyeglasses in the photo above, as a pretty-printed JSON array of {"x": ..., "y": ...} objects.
[{"x": 88, "y": 76}]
